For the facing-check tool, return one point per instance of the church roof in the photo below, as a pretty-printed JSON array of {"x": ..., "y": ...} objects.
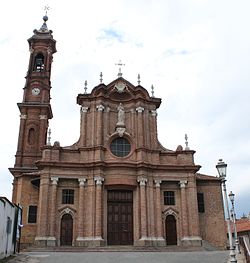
[{"x": 207, "y": 177}]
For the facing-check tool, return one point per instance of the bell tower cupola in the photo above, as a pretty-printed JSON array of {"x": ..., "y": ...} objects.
[{"x": 35, "y": 109}]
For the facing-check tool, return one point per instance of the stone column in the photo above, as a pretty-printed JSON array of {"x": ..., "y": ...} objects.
[
  {"x": 81, "y": 217},
  {"x": 42, "y": 220},
  {"x": 52, "y": 239},
  {"x": 143, "y": 208},
  {"x": 83, "y": 126},
  {"x": 159, "y": 234},
  {"x": 99, "y": 124},
  {"x": 140, "y": 137},
  {"x": 98, "y": 210},
  {"x": 184, "y": 210}
]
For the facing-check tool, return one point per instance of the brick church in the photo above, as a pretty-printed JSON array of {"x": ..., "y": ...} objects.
[{"x": 117, "y": 185}]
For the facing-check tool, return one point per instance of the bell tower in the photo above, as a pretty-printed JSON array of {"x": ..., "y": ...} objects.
[{"x": 35, "y": 109}]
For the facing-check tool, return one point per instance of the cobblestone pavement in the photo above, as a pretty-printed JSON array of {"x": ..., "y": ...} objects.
[{"x": 122, "y": 257}]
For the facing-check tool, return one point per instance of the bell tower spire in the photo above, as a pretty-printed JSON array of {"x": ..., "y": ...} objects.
[{"x": 35, "y": 109}]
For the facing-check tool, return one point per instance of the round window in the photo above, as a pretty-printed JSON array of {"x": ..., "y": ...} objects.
[{"x": 120, "y": 147}]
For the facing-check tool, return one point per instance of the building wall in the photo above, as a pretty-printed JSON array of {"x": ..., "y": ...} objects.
[{"x": 212, "y": 222}]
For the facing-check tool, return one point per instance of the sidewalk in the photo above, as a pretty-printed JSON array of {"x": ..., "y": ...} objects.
[{"x": 240, "y": 258}]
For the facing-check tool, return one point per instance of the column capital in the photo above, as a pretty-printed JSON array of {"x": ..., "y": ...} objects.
[
  {"x": 142, "y": 180},
  {"x": 139, "y": 109},
  {"x": 183, "y": 183},
  {"x": 154, "y": 113},
  {"x": 98, "y": 180},
  {"x": 157, "y": 182},
  {"x": 84, "y": 109},
  {"x": 54, "y": 180},
  {"x": 82, "y": 181},
  {"x": 43, "y": 117},
  {"x": 100, "y": 107},
  {"x": 23, "y": 116}
]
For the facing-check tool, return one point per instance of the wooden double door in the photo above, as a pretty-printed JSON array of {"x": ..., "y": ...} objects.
[{"x": 120, "y": 217}]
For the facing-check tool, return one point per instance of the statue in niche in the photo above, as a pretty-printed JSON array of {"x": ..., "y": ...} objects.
[{"x": 121, "y": 115}]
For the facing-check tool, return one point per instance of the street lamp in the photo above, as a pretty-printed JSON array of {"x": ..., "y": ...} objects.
[
  {"x": 236, "y": 241},
  {"x": 222, "y": 171}
]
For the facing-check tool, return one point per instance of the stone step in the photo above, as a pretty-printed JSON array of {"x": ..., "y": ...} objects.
[{"x": 114, "y": 249}]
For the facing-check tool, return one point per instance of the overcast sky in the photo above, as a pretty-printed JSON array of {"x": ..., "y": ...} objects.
[{"x": 196, "y": 53}]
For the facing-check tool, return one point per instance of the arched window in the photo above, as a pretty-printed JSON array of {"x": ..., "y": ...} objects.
[{"x": 39, "y": 62}]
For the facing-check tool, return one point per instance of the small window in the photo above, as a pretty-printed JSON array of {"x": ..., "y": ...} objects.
[
  {"x": 201, "y": 205},
  {"x": 9, "y": 225},
  {"x": 32, "y": 214},
  {"x": 67, "y": 196},
  {"x": 169, "y": 198},
  {"x": 120, "y": 147},
  {"x": 39, "y": 63}
]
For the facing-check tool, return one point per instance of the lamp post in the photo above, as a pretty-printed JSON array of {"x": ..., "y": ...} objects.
[
  {"x": 236, "y": 241},
  {"x": 222, "y": 171}
]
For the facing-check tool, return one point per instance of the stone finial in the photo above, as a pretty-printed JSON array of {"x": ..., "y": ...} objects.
[
  {"x": 49, "y": 137},
  {"x": 85, "y": 87},
  {"x": 101, "y": 79},
  {"x": 139, "y": 79},
  {"x": 152, "y": 91},
  {"x": 186, "y": 142}
]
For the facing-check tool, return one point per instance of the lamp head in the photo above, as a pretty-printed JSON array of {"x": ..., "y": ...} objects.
[
  {"x": 222, "y": 168},
  {"x": 231, "y": 196}
]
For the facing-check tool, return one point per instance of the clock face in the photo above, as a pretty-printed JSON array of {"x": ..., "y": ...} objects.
[{"x": 35, "y": 91}]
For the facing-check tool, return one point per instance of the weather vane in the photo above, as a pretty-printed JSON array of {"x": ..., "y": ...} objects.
[{"x": 120, "y": 64}]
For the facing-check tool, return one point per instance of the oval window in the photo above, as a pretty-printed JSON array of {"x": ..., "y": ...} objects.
[{"x": 120, "y": 147}]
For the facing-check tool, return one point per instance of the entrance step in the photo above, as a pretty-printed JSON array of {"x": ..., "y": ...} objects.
[{"x": 114, "y": 249}]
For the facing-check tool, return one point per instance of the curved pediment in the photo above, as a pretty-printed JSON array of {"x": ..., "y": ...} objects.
[{"x": 120, "y": 90}]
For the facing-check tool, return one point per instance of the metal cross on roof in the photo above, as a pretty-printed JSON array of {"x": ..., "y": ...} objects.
[
  {"x": 120, "y": 64},
  {"x": 46, "y": 8}
]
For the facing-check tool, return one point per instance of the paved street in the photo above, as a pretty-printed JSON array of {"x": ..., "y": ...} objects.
[{"x": 123, "y": 257}]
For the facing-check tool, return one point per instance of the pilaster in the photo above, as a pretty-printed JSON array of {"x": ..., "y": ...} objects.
[
  {"x": 98, "y": 211},
  {"x": 52, "y": 236},
  {"x": 42, "y": 222},
  {"x": 158, "y": 214},
  {"x": 83, "y": 132},
  {"x": 143, "y": 209}
]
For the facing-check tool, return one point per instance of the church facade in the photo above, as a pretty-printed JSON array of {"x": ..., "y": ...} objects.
[{"x": 117, "y": 185}]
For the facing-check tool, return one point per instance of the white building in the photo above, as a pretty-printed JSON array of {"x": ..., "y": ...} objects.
[{"x": 8, "y": 227}]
